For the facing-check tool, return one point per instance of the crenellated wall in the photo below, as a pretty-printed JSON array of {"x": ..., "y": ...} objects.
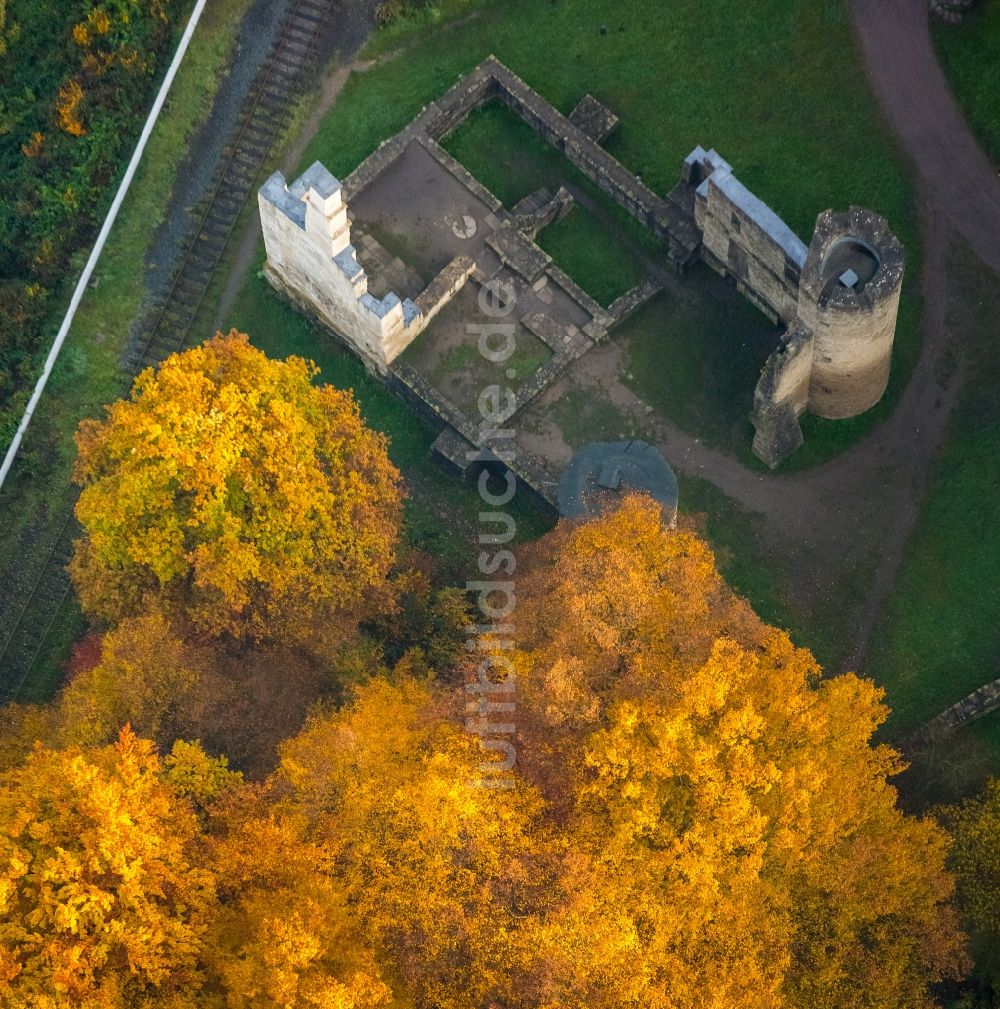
[{"x": 310, "y": 259}]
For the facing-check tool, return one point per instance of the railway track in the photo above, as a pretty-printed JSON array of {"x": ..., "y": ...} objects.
[{"x": 167, "y": 325}]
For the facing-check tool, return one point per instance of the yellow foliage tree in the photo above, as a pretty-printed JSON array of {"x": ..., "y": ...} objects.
[
  {"x": 101, "y": 896},
  {"x": 68, "y": 108},
  {"x": 436, "y": 868},
  {"x": 699, "y": 818},
  {"x": 284, "y": 939},
  {"x": 233, "y": 491},
  {"x": 976, "y": 860}
]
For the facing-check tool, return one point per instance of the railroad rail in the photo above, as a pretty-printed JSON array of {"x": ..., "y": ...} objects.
[{"x": 167, "y": 325}]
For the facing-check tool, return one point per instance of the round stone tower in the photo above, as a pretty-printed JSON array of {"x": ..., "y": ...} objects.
[{"x": 848, "y": 297}]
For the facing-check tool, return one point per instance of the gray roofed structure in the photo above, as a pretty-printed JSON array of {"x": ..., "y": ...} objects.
[{"x": 601, "y": 474}]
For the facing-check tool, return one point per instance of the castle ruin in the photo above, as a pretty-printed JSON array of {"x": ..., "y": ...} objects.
[{"x": 836, "y": 298}]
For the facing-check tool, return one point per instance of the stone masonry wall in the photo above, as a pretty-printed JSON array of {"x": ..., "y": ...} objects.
[
  {"x": 744, "y": 238},
  {"x": 492, "y": 80},
  {"x": 310, "y": 259},
  {"x": 853, "y": 356},
  {"x": 854, "y": 327}
]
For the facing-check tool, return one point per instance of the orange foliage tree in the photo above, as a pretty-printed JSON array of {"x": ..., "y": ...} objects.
[
  {"x": 232, "y": 491},
  {"x": 145, "y": 677},
  {"x": 101, "y": 894},
  {"x": 285, "y": 935},
  {"x": 699, "y": 818}
]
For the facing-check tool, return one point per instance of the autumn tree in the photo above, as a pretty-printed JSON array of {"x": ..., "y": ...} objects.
[
  {"x": 725, "y": 801},
  {"x": 285, "y": 935},
  {"x": 146, "y": 677},
  {"x": 696, "y": 817},
  {"x": 438, "y": 870},
  {"x": 102, "y": 899},
  {"x": 976, "y": 860},
  {"x": 233, "y": 492}
]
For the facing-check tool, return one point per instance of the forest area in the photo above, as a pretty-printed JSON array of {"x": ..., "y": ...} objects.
[
  {"x": 76, "y": 80},
  {"x": 268, "y": 780}
]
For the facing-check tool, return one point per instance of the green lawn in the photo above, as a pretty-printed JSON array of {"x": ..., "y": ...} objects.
[
  {"x": 696, "y": 358},
  {"x": 593, "y": 244},
  {"x": 593, "y": 256},
  {"x": 583, "y": 415},
  {"x": 940, "y": 636},
  {"x": 506, "y": 154},
  {"x": 750, "y": 80},
  {"x": 970, "y": 57},
  {"x": 741, "y": 549}
]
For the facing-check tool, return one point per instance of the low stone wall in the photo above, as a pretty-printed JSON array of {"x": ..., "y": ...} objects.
[
  {"x": 460, "y": 172},
  {"x": 492, "y": 80},
  {"x": 978, "y": 704},
  {"x": 631, "y": 301},
  {"x": 461, "y": 438},
  {"x": 443, "y": 288}
]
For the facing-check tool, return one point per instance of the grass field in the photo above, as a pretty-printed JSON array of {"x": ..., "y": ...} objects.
[
  {"x": 940, "y": 637},
  {"x": 970, "y": 57},
  {"x": 512, "y": 161},
  {"x": 87, "y": 375},
  {"x": 695, "y": 359},
  {"x": 594, "y": 257}
]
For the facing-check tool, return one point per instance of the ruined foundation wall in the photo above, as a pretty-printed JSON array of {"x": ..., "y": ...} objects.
[{"x": 492, "y": 80}]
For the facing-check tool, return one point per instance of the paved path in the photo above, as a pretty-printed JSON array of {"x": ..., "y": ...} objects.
[{"x": 957, "y": 176}]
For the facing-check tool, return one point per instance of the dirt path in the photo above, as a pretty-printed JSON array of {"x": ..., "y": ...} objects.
[{"x": 960, "y": 183}]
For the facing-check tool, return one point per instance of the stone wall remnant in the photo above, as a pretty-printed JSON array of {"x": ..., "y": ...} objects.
[
  {"x": 743, "y": 237},
  {"x": 837, "y": 298},
  {"x": 310, "y": 259},
  {"x": 835, "y": 356}
]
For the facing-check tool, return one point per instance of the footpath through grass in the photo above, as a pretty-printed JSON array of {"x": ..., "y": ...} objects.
[
  {"x": 969, "y": 53},
  {"x": 87, "y": 375}
]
